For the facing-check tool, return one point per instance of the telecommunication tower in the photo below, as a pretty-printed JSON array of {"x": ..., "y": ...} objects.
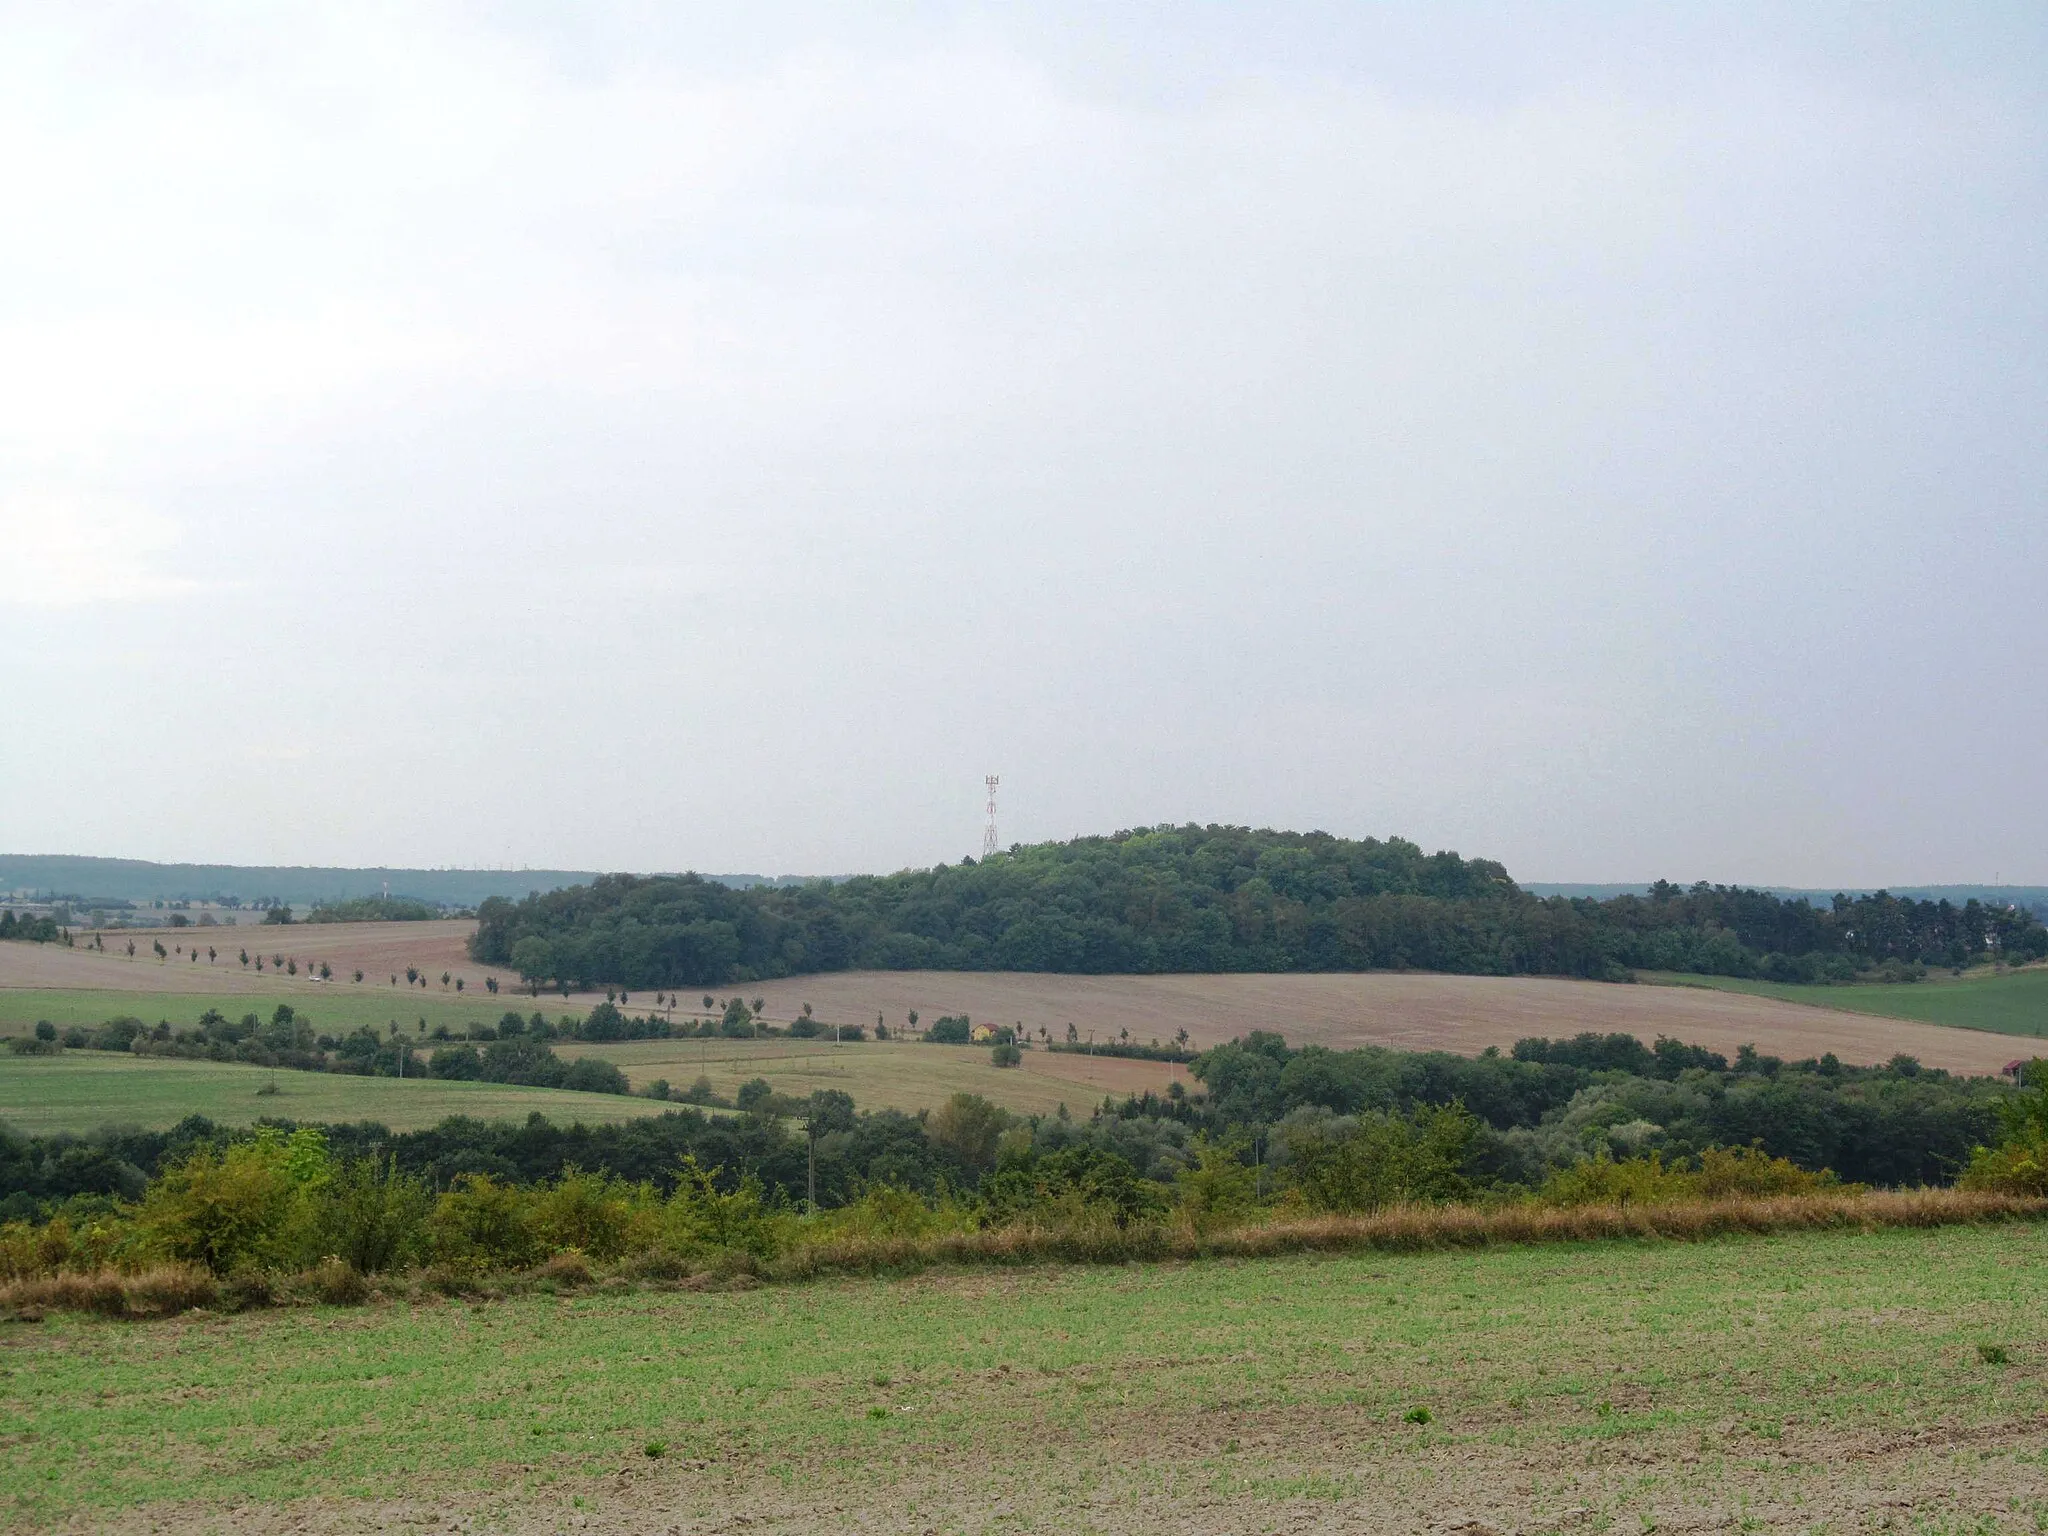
[{"x": 988, "y": 837}]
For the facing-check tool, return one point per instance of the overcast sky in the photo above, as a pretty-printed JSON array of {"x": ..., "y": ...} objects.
[{"x": 611, "y": 436}]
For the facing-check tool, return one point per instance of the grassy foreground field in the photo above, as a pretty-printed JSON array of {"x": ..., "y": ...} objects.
[
  {"x": 2013, "y": 1004},
  {"x": 83, "y": 1090},
  {"x": 1813, "y": 1382}
]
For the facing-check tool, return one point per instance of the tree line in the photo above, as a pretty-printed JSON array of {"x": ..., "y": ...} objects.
[
  {"x": 1384, "y": 1125},
  {"x": 31, "y": 928},
  {"x": 1218, "y": 899}
]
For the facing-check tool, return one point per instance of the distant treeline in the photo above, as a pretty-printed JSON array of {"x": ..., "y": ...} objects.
[
  {"x": 373, "y": 909},
  {"x": 28, "y": 926},
  {"x": 1210, "y": 899}
]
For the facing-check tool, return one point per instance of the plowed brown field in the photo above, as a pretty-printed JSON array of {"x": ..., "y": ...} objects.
[
  {"x": 1407, "y": 1010},
  {"x": 379, "y": 949}
]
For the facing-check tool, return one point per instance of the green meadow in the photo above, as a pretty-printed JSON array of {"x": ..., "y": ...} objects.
[
  {"x": 82, "y": 1090},
  {"x": 1751, "y": 1384},
  {"x": 2013, "y": 1004}
]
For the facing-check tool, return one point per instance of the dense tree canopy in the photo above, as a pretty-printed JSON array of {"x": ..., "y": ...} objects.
[{"x": 1213, "y": 899}]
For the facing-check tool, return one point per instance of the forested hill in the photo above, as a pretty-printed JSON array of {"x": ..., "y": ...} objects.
[{"x": 1210, "y": 899}]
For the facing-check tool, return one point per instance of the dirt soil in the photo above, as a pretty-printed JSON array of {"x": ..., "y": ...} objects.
[
  {"x": 1311, "y": 1473},
  {"x": 379, "y": 949},
  {"x": 1410, "y": 1011}
]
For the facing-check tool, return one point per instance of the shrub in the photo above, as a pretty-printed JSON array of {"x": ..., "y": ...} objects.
[
  {"x": 1387, "y": 1160},
  {"x": 1217, "y": 1188},
  {"x": 372, "y": 1216},
  {"x": 1726, "y": 1171},
  {"x": 754, "y": 1094},
  {"x": 570, "y": 1268},
  {"x": 595, "y": 1215},
  {"x": 587, "y": 1074},
  {"x": 701, "y": 1216},
  {"x": 336, "y": 1282},
  {"x": 1005, "y": 1055},
  {"x": 227, "y": 1209}
]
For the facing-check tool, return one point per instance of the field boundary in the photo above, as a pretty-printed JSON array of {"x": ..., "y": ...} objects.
[
  {"x": 1415, "y": 1229},
  {"x": 163, "y": 1290}
]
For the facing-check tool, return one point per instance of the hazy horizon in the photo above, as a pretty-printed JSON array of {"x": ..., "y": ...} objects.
[{"x": 611, "y": 437}]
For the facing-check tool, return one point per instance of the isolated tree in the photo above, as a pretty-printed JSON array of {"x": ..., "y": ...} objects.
[
  {"x": 394, "y": 980},
  {"x": 807, "y": 1011},
  {"x": 412, "y": 974},
  {"x": 708, "y": 1004},
  {"x": 161, "y": 953},
  {"x": 444, "y": 981},
  {"x": 131, "y": 949},
  {"x": 1073, "y": 1034},
  {"x": 211, "y": 954},
  {"x": 968, "y": 1126},
  {"x": 1181, "y": 1039},
  {"x": 458, "y": 983},
  {"x": 359, "y": 973},
  {"x": 245, "y": 959},
  {"x": 491, "y": 985},
  {"x": 259, "y": 964},
  {"x": 292, "y": 965},
  {"x": 326, "y": 971},
  {"x": 912, "y": 1016},
  {"x": 45, "y": 1030}
]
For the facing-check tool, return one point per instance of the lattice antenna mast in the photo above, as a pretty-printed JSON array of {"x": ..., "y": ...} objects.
[{"x": 988, "y": 838}]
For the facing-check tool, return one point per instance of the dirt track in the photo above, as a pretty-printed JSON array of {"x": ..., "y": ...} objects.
[{"x": 1407, "y": 1010}]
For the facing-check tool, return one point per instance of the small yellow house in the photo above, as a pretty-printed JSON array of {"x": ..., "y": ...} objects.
[{"x": 979, "y": 1033}]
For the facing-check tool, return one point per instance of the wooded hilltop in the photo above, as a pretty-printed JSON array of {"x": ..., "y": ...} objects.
[{"x": 1211, "y": 899}]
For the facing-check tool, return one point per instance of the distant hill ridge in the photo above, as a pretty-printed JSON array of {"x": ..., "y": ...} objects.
[
  {"x": 140, "y": 880},
  {"x": 1218, "y": 898},
  {"x": 2032, "y": 897}
]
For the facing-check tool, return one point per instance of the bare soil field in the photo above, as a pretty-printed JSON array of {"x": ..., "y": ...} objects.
[
  {"x": 1407, "y": 1010},
  {"x": 380, "y": 950}
]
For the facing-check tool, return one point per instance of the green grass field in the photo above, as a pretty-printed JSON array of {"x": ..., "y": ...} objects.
[
  {"x": 1817, "y": 1382},
  {"x": 334, "y": 1010},
  {"x": 82, "y": 1090},
  {"x": 2013, "y": 1004}
]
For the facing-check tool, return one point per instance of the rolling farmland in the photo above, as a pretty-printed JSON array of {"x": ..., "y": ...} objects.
[
  {"x": 80, "y": 1091},
  {"x": 1409, "y": 1010},
  {"x": 886, "y": 1074}
]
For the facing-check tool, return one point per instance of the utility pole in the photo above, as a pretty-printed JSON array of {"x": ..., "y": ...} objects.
[{"x": 988, "y": 837}]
